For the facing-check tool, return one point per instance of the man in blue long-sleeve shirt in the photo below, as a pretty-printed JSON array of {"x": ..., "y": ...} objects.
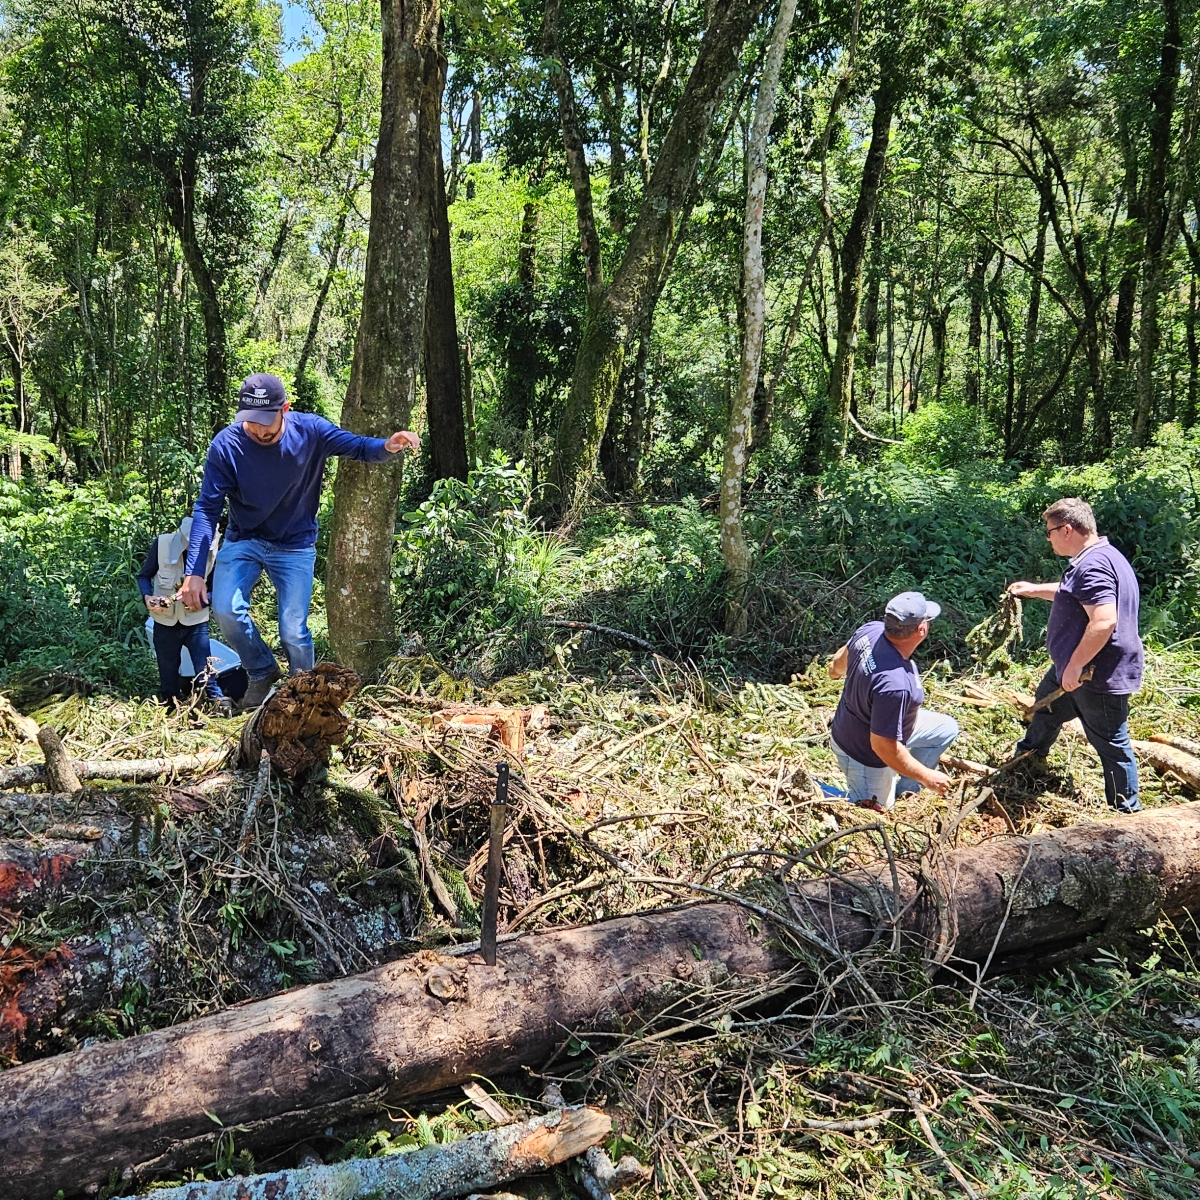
[{"x": 269, "y": 464}]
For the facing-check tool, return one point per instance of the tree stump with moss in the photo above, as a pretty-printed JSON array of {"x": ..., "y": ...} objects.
[{"x": 302, "y": 721}]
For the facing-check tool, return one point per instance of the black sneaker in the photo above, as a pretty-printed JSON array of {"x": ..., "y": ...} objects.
[
  {"x": 259, "y": 690},
  {"x": 223, "y": 707}
]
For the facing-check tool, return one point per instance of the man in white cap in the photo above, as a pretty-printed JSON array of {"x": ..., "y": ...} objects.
[
  {"x": 881, "y": 735},
  {"x": 269, "y": 464},
  {"x": 176, "y": 628}
]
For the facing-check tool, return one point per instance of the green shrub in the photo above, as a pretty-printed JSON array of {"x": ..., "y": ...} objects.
[{"x": 68, "y": 557}]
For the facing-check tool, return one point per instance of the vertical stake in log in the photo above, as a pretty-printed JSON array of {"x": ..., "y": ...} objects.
[{"x": 491, "y": 887}]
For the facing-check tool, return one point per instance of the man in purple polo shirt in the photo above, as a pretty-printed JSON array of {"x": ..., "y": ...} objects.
[
  {"x": 881, "y": 734},
  {"x": 1093, "y": 621},
  {"x": 269, "y": 464}
]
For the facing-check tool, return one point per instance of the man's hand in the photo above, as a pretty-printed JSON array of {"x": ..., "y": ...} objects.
[
  {"x": 935, "y": 781},
  {"x": 1025, "y": 590},
  {"x": 1071, "y": 677},
  {"x": 403, "y": 439},
  {"x": 156, "y": 603},
  {"x": 193, "y": 593}
]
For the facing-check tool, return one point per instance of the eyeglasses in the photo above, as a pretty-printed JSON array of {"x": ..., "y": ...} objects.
[{"x": 1056, "y": 528}]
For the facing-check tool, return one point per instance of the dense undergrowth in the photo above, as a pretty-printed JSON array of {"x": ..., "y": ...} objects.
[{"x": 478, "y": 579}]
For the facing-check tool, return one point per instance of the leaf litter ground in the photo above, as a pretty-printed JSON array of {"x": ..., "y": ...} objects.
[{"x": 651, "y": 784}]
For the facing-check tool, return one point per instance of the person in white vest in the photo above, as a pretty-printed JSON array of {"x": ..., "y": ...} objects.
[{"x": 176, "y": 627}]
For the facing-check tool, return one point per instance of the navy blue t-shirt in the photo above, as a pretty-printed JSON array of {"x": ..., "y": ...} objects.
[
  {"x": 882, "y": 694},
  {"x": 273, "y": 491},
  {"x": 1101, "y": 574}
]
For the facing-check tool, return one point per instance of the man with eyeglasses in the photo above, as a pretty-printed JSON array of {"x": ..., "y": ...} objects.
[{"x": 1093, "y": 622}]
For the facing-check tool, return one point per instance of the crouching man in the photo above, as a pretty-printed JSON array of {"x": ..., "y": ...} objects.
[{"x": 881, "y": 734}]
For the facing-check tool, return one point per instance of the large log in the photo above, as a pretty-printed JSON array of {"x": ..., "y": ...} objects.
[{"x": 428, "y": 1022}]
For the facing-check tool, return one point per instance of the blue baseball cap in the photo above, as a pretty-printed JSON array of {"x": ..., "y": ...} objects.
[
  {"x": 910, "y": 608},
  {"x": 260, "y": 398}
]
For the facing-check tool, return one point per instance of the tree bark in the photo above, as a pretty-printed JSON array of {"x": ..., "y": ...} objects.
[
  {"x": 443, "y": 379},
  {"x": 852, "y": 255},
  {"x": 735, "y": 551},
  {"x": 60, "y": 770},
  {"x": 406, "y": 1029},
  {"x": 620, "y": 310},
  {"x": 283, "y": 1065},
  {"x": 387, "y": 349}
]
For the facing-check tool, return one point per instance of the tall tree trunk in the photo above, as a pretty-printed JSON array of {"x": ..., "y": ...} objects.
[
  {"x": 443, "y": 381},
  {"x": 871, "y": 308},
  {"x": 976, "y": 285},
  {"x": 1188, "y": 416},
  {"x": 853, "y": 253},
  {"x": 1161, "y": 227},
  {"x": 577, "y": 164},
  {"x": 267, "y": 274},
  {"x": 181, "y": 212},
  {"x": 735, "y": 550},
  {"x": 387, "y": 349},
  {"x": 620, "y": 310},
  {"x": 1033, "y": 315},
  {"x": 518, "y": 389},
  {"x": 299, "y": 384},
  {"x": 475, "y": 144}
]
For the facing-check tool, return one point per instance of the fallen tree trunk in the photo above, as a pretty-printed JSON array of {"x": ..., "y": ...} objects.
[
  {"x": 120, "y": 770},
  {"x": 428, "y": 1022},
  {"x": 1180, "y": 743},
  {"x": 300, "y": 723},
  {"x": 1168, "y": 758},
  {"x": 479, "y": 1160}
]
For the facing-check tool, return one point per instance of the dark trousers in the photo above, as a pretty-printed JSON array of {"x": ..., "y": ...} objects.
[
  {"x": 1105, "y": 720},
  {"x": 169, "y": 641}
]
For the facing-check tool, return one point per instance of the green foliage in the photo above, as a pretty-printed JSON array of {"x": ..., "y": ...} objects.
[
  {"x": 68, "y": 557},
  {"x": 470, "y": 562}
]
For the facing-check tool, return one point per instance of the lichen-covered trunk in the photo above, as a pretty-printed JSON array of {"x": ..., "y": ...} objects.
[
  {"x": 616, "y": 313},
  {"x": 735, "y": 551},
  {"x": 387, "y": 350},
  {"x": 288, "y": 1066},
  {"x": 853, "y": 254}
]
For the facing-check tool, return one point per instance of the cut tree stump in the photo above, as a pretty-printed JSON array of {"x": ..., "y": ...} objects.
[
  {"x": 302, "y": 721},
  {"x": 479, "y": 1160},
  {"x": 428, "y": 1022}
]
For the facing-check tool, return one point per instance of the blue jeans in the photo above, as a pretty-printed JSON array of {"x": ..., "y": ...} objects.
[
  {"x": 1105, "y": 720},
  {"x": 239, "y": 567},
  {"x": 169, "y": 642},
  {"x": 930, "y": 739}
]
